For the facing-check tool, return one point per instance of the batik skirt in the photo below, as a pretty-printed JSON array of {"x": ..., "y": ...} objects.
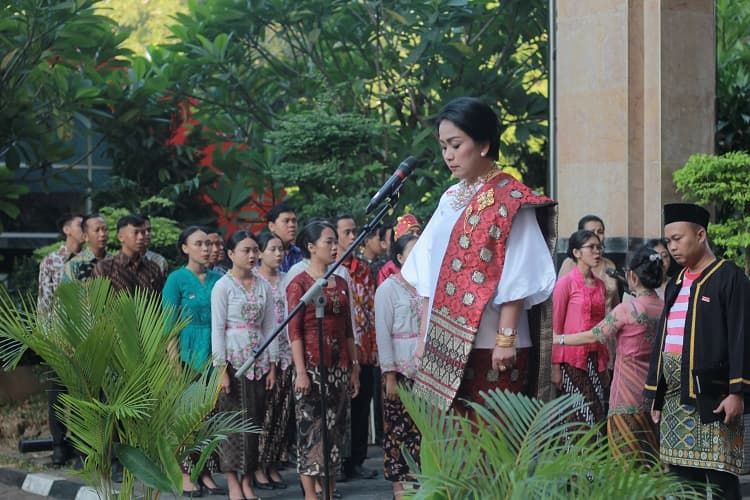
[
  {"x": 687, "y": 442},
  {"x": 591, "y": 385},
  {"x": 633, "y": 438},
  {"x": 274, "y": 439},
  {"x": 400, "y": 436},
  {"x": 310, "y": 455},
  {"x": 240, "y": 452}
]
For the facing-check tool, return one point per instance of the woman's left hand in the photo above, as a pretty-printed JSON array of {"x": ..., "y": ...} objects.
[
  {"x": 271, "y": 377},
  {"x": 503, "y": 358},
  {"x": 354, "y": 382}
]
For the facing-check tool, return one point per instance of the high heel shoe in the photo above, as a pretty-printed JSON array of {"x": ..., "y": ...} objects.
[
  {"x": 211, "y": 491},
  {"x": 196, "y": 493}
]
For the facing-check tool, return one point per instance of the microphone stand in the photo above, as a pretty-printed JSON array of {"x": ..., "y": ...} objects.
[{"x": 315, "y": 295}]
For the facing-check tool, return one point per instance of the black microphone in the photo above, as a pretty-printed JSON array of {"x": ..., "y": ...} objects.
[
  {"x": 393, "y": 184},
  {"x": 618, "y": 275}
]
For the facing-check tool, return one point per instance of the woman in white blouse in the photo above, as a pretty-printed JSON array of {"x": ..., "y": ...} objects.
[
  {"x": 483, "y": 260},
  {"x": 242, "y": 318},
  {"x": 398, "y": 310}
]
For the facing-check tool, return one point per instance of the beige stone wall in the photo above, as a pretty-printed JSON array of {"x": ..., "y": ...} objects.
[{"x": 634, "y": 95}]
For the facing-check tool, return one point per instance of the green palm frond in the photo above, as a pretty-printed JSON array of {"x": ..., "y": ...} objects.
[
  {"x": 521, "y": 448},
  {"x": 110, "y": 351}
]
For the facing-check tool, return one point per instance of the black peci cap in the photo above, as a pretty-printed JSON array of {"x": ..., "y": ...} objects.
[{"x": 686, "y": 212}]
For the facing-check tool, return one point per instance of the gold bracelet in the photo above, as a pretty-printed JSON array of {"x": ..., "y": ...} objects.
[{"x": 502, "y": 341}]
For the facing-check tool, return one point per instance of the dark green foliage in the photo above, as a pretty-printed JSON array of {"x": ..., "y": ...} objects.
[
  {"x": 733, "y": 76},
  {"x": 721, "y": 182},
  {"x": 54, "y": 57}
]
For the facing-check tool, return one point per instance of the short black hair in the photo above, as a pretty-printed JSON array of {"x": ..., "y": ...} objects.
[
  {"x": 144, "y": 216},
  {"x": 647, "y": 265},
  {"x": 134, "y": 220},
  {"x": 400, "y": 245},
  {"x": 476, "y": 119},
  {"x": 88, "y": 217},
  {"x": 578, "y": 239},
  {"x": 590, "y": 218},
  {"x": 211, "y": 230},
  {"x": 311, "y": 233},
  {"x": 277, "y": 210},
  {"x": 383, "y": 229},
  {"x": 342, "y": 216},
  {"x": 67, "y": 220}
]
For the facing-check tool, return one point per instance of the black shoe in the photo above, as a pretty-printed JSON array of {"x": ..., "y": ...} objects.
[
  {"x": 361, "y": 472},
  {"x": 60, "y": 454},
  {"x": 262, "y": 486},
  {"x": 278, "y": 485},
  {"x": 197, "y": 493},
  {"x": 211, "y": 491}
]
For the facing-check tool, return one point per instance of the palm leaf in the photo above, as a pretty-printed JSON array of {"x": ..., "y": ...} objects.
[{"x": 522, "y": 448}]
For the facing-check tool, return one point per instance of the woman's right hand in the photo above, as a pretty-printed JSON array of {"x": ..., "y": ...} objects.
[
  {"x": 556, "y": 376},
  {"x": 391, "y": 386},
  {"x": 302, "y": 384},
  {"x": 225, "y": 383},
  {"x": 655, "y": 414}
]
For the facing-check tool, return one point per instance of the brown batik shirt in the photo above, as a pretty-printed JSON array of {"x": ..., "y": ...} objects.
[{"x": 129, "y": 273}]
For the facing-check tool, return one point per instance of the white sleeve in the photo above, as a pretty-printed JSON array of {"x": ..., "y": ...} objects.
[
  {"x": 416, "y": 268},
  {"x": 528, "y": 271},
  {"x": 384, "y": 314},
  {"x": 419, "y": 270},
  {"x": 219, "y": 311},
  {"x": 268, "y": 323}
]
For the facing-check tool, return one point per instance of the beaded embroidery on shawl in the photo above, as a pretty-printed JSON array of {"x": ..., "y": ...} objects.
[{"x": 470, "y": 271}]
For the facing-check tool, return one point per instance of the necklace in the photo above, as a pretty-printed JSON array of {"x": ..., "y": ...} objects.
[{"x": 465, "y": 191}]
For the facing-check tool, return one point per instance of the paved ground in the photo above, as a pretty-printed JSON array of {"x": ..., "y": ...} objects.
[
  {"x": 371, "y": 489},
  {"x": 362, "y": 489}
]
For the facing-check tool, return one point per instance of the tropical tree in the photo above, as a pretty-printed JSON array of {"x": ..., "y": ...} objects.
[
  {"x": 721, "y": 182},
  {"x": 733, "y": 77},
  {"x": 54, "y": 61},
  {"x": 250, "y": 66},
  {"x": 520, "y": 448},
  {"x": 126, "y": 398}
]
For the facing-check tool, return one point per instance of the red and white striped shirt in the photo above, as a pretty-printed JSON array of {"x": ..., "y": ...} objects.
[{"x": 678, "y": 314}]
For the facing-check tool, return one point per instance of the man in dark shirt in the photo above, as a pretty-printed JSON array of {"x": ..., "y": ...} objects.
[
  {"x": 128, "y": 269},
  {"x": 282, "y": 221},
  {"x": 703, "y": 335}
]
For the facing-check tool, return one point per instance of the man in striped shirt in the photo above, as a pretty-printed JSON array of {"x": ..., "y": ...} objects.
[{"x": 704, "y": 335}]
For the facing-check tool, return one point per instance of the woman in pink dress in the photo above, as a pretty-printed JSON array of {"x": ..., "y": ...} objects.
[
  {"x": 631, "y": 433},
  {"x": 577, "y": 305}
]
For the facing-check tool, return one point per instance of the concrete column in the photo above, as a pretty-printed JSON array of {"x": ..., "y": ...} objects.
[{"x": 634, "y": 93}]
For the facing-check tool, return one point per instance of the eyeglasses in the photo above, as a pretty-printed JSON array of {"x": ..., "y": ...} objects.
[{"x": 594, "y": 248}]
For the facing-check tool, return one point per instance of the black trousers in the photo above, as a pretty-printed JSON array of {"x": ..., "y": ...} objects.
[
  {"x": 56, "y": 427},
  {"x": 361, "y": 415},
  {"x": 728, "y": 484}
]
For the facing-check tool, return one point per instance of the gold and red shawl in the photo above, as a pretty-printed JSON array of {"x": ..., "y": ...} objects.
[{"x": 469, "y": 275}]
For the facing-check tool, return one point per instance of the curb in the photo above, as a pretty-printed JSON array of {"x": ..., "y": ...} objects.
[
  {"x": 59, "y": 487},
  {"x": 47, "y": 485}
]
